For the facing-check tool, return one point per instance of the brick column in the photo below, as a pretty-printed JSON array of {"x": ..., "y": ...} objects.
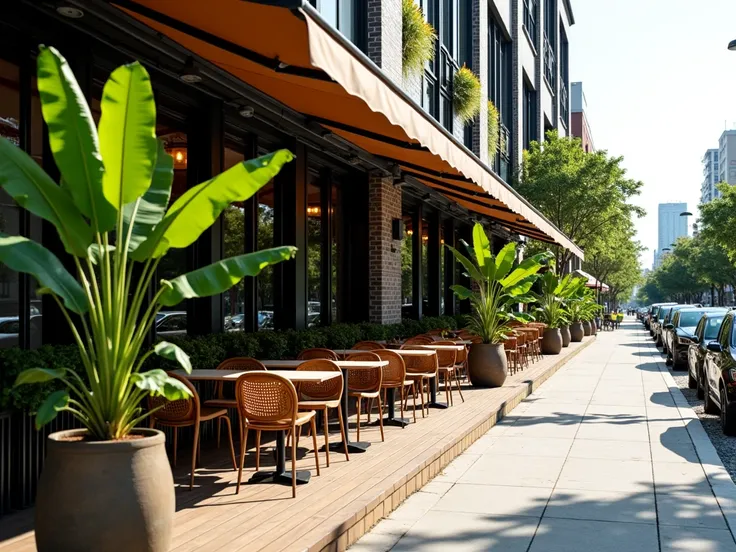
[
  {"x": 480, "y": 67},
  {"x": 384, "y": 272},
  {"x": 384, "y": 37}
]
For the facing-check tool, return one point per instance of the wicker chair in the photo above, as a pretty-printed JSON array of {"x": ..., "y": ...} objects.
[
  {"x": 461, "y": 363},
  {"x": 323, "y": 397},
  {"x": 223, "y": 398},
  {"x": 418, "y": 340},
  {"x": 421, "y": 369},
  {"x": 185, "y": 413},
  {"x": 368, "y": 345},
  {"x": 531, "y": 342},
  {"x": 512, "y": 353},
  {"x": 311, "y": 354},
  {"x": 522, "y": 348},
  {"x": 366, "y": 384},
  {"x": 268, "y": 402},
  {"x": 394, "y": 377},
  {"x": 447, "y": 361}
]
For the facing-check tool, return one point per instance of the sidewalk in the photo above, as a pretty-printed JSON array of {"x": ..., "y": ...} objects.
[{"x": 605, "y": 457}]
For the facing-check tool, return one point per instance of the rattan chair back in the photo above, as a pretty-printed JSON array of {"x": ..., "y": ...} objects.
[
  {"x": 368, "y": 345},
  {"x": 366, "y": 380},
  {"x": 446, "y": 358},
  {"x": 510, "y": 343},
  {"x": 462, "y": 355},
  {"x": 180, "y": 410},
  {"x": 329, "y": 390},
  {"x": 265, "y": 397},
  {"x": 395, "y": 372},
  {"x": 238, "y": 364},
  {"x": 309, "y": 354},
  {"x": 418, "y": 340},
  {"x": 425, "y": 364}
]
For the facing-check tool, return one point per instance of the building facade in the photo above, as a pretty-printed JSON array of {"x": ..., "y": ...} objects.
[
  {"x": 727, "y": 157},
  {"x": 711, "y": 176},
  {"x": 671, "y": 226},
  {"x": 579, "y": 119},
  {"x": 384, "y": 175}
]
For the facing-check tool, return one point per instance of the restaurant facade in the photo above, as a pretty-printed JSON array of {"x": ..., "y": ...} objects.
[{"x": 385, "y": 173}]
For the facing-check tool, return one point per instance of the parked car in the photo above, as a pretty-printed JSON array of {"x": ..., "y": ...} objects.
[
  {"x": 664, "y": 327},
  {"x": 719, "y": 369},
  {"x": 265, "y": 320},
  {"x": 705, "y": 332},
  {"x": 10, "y": 329},
  {"x": 171, "y": 323},
  {"x": 679, "y": 333},
  {"x": 660, "y": 320},
  {"x": 651, "y": 319}
]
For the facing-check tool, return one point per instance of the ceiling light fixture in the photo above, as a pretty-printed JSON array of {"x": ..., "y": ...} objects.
[
  {"x": 247, "y": 111},
  {"x": 70, "y": 11},
  {"x": 190, "y": 74}
]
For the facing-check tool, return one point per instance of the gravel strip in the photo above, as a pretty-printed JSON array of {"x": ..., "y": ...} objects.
[{"x": 726, "y": 446}]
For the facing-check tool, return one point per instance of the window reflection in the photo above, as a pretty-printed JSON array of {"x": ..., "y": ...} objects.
[
  {"x": 314, "y": 251},
  {"x": 9, "y": 211},
  {"x": 265, "y": 241},
  {"x": 336, "y": 245},
  {"x": 233, "y": 245},
  {"x": 406, "y": 268},
  {"x": 425, "y": 266}
]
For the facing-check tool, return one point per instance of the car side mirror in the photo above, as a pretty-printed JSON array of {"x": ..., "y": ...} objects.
[
  {"x": 695, "y": 339},
  {"x": 669, "y": 326},
  {"x": 714, "y": 347}
]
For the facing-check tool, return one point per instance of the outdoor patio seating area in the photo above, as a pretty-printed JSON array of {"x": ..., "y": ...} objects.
[{"x": 271, "y": 506}]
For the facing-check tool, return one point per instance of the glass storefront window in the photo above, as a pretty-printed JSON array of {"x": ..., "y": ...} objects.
[
  {"x": 425, "y": 266},
  {"x": 265, "y": 299},
  {"x": 407, "y": 301},
  {"x": 336, "y": 245},
  {"x": 234, "y": 244},
  {"x": 314, "y": 251},
  {"x": 442, "y": 270}
]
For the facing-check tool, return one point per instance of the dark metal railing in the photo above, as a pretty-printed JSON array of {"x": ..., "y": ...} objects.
[
  {"x": 564, "y": 103},
  {"x": 530, "y": 19}
]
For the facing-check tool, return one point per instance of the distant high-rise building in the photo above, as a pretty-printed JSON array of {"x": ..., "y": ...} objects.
[
  {"x": 578, "y": 119},
  {"x": 670, "y": 227},
  {"x": 727, "y": 157},
  {"x": 711, "y": 175}
]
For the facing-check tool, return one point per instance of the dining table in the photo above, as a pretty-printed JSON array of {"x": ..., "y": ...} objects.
[
  {"x": 280, "y": 474},
  {"x": 344, "y": 365}
]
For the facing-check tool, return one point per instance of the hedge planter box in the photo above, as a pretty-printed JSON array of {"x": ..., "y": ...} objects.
[
  {"x": 576, "y": 332},
  {"x": 487, "y": 365},
  {"x": 105, "y": 495},
  {"x": 552, "y": 341},
  {"x": 566, "y": 337}
]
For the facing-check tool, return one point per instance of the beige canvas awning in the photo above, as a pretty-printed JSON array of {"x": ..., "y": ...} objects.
[
  {"x": 592, "y": 281},
  {"x": 294, "y": 56}
]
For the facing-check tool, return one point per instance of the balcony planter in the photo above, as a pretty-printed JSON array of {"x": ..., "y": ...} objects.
[
  {"x": 105, "y": 495},
  {"x": 587, "y": 328},
  {"x": 566, "y": 337},
  {"x": 417, "y": 39},
  {"x": 552, "y": 341},
  {"x": 487, "y": 365},
  {"x": 466, "y": 94},
  {"x": 576, "y": 332}
]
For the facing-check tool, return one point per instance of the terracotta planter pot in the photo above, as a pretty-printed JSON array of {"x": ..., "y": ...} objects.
[
  {"x": 587, "y": 328},
  {"x": 566, "y": 337},
  {"x": 487, "y": 365},
  {"x": 105, "y": 496},
  {"x": 552, "y": 341},
  {"x": 576, "y": 332},
  {"x": 594, "y": 327}
]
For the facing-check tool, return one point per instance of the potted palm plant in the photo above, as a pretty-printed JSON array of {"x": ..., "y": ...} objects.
[
  {"x": 497, "y": 288},
  {"x": 579, "y": 308},
  {"x": 109, "y": 485},
  {"x": 552, "y": 309}
]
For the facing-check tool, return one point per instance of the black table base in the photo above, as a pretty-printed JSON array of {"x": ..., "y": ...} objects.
[
  {"x": 392, "y": 420},
  {"x": 433, "y": 403},
  {"x": 283, "y": 478},
  {"x": 353, "y": 447}
]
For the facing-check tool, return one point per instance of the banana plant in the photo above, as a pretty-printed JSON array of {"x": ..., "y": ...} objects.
[
  {"x": 583, "y": 305},
  {"x": 555, "y": 297},
  {"x": 498, "y": 286},
  {"x": 113, "y": 217}
]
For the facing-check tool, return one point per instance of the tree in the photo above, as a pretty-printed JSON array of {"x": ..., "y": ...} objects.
[
  {"x": 718, "y": 220},
  {"x": 584, "y": 194}
]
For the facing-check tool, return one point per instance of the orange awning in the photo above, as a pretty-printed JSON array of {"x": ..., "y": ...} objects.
[{"x": 295, "y": 57}]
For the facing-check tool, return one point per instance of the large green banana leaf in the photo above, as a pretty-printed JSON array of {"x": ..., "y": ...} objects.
[
  {"x": 152, "y": 206},
  {"x": 28, "y": 184},
  {"x": 222, "y": 275},
  {"x": 198, "y": 208},
  {"x": 23, "y": 255},
  {"x": 73, "y": 138},
  {"x": 127, "y": 134}
]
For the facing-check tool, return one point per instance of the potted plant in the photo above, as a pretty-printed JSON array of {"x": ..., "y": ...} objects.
[
  {"x": 109, "y": 485},
  {"x": 494, "y": 131},
  {"x": 417, "y": 38},
  {"x": 497, "y": 288},
  {"x": 579, "y": 309},
  {"x": 552, "y": 309},
  {"x": 466, "y": 94}
]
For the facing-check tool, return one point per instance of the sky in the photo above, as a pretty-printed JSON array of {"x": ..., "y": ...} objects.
[{"x": 660, "y": 86}]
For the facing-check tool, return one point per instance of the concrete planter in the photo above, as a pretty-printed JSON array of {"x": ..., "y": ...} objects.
[
  {"x": 587, "y": 328},
  {"x": 566, "y": 337},
  {"x": 107, "y": 496},
  {"x": 552, "y": 341},
  {"x": 487, "y": 365},
  {"x": 576, "y": 332}
]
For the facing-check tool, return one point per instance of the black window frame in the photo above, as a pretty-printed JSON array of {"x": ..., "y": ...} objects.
[
  {"x": 549, "y": 51},
  {"x": 531, "y": 8},
  {"x": 500, "y": 93},
  {"x": 529, "y": 115},
  {"x": 360, "y": 21},
  {"x": 564, "y": 76}
]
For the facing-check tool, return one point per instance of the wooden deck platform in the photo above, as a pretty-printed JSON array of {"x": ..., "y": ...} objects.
[{"x": 333, "y": 510}]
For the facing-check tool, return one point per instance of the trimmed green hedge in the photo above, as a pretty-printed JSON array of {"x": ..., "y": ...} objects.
[{"x": 206, "y": 351}]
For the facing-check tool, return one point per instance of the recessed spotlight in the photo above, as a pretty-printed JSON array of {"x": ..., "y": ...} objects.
[
  {"x": 70, "y": 11},
  {"x": 190, "y": 74},
  {"x": 247, "y": 111}
]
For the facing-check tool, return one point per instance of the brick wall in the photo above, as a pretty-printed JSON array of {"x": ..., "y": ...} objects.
[
  {"x": 384, "y": 278},
  {"x": 480, "y": 67},
  {"x": 384, "y": 37}
]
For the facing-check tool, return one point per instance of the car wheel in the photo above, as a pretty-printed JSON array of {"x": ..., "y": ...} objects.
[
  {"x": 692, "y": 383},
  {"x": 700, "y": 393},
  {"x": 668, "y": 360},
  {"x": 651, "y": 333},
  {"x": 728, "y": 415},
  {"x": 709, "y": 406}
]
